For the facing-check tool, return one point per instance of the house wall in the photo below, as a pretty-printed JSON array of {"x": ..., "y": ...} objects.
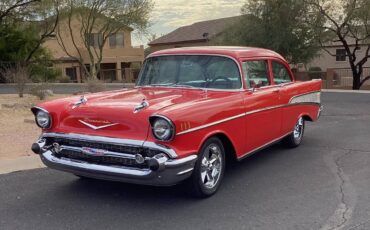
[
  {"x": 326, "y": 61},
  {"x": 113, "y": 55}
]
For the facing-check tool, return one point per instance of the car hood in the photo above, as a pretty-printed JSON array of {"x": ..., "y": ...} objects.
[{"x": 112, "y": 113}]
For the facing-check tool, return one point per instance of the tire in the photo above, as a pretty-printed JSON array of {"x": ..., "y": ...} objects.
[
  {"x": 207, "y": 175},
  {"x": 295, "y": 138}
]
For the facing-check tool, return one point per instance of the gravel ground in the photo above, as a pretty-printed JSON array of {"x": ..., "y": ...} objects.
[{"x": 17, "y": 128}]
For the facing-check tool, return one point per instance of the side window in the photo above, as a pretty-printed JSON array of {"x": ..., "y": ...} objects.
[
  {"x": 256, "y": 73},
  {"x": 281, "y": 74}
]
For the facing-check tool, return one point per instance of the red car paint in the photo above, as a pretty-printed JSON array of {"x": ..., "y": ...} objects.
[{"x": 248, "y": 118}]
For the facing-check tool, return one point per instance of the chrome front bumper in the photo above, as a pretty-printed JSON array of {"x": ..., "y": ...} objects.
[
  {"x": 173, "y": 172},
  {"x": 170, "y": 171}
]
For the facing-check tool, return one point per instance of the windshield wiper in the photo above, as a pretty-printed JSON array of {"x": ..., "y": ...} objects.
[
  {"x": 185, "y": 86},
  {"x": 154, "y": 85}
]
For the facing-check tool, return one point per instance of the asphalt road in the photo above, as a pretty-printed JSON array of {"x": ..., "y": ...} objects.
[{"x": 323, "y": 184}]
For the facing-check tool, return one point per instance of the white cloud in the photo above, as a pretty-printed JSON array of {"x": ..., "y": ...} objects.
[{"x": 171, "y": 14}]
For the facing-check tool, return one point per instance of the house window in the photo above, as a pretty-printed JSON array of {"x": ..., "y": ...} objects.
[
  {"x": 340, "y": 55},
  {"x": 72, "y": 73},
  {"x": 116, "y": 40},
  {"x": 95, "y": 39}
]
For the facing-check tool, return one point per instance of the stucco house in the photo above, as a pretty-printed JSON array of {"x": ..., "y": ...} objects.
[
  {"x": 120, "y": 60},
  {"x": 197, "y": 34}
]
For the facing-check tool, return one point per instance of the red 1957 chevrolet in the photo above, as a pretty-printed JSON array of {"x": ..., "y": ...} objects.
[{"x": 190, "y": 110}]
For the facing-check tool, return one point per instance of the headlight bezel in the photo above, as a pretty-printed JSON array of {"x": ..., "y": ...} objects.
[
  {"x": 171, "y": 125},
  {"x": 36, "y": 111}
]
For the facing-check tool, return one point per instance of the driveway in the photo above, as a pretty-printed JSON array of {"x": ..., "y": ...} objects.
[{"x": 323, "y": 184}]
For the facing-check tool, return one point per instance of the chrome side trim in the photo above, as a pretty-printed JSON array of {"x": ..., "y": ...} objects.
[
  {"x": 291, "y": 103},
  {"x": 263, "y": 146},
  {"x": 310, "y": 97},
  {"x": 264, "y": 109},
  {"x": 211, "y": 124},
  {"x": 118, "y": 141}
]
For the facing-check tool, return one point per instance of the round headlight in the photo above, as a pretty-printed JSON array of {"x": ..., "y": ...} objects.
[
  {"x": 43, "y": 119},
  {"x": 163, "y": 129}
]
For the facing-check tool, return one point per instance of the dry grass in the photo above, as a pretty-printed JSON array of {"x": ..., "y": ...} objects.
[{"x": 16, "y": 135}]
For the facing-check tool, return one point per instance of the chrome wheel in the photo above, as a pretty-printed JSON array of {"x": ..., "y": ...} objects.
[
  {"x": 298, "y": 129},
  {"x": 211, "y": 165},
  {"x": 209, "y": 169}
]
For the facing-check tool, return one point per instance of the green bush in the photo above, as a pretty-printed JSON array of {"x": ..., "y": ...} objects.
[{"x": 64, "y": 79}]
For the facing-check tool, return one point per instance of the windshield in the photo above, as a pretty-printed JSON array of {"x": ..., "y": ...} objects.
[{"x": 203, "y": 71}]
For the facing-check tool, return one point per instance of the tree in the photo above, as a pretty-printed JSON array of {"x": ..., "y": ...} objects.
[
  {"x": 13, "y": 8},
  {"x": 345, "y": 22},
  {"x": 100, "y": 19},
  {"x": 279, "y": 25},
  {"x": 43, "y": 18},
  {"x": 31, "y": 21},
  {"x": 18, "y": 74}
]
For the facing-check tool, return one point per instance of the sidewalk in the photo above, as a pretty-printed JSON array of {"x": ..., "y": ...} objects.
[
  {"x": 344, "y": 91},
  {"x": 19, "y": 164}
]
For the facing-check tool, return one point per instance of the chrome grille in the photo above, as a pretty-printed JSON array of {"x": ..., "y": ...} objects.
[
  {"x": 125, "y": 155},
  {"x": 106, "y": 146},
  {"x": 102, "y": 160}
]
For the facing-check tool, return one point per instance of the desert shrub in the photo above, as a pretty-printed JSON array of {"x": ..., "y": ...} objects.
[
  {"x": 17, "y": 74},
  {"x": 41, "y": 91},
  {"x": 315, "y": 72},
  {"x": 64, "y": 79},
  {"x": 94, "y": 85}
]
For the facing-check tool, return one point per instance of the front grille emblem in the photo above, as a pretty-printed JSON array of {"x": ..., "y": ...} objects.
[
  {"x": 97, "y": 127},
  {"x": 93, "y": 152}
]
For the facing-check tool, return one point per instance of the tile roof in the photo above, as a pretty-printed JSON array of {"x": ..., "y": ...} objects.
[{"x": 196, "y": 32}]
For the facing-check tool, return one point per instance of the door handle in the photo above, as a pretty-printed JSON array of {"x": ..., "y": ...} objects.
[{"x": 276, "y": 90}]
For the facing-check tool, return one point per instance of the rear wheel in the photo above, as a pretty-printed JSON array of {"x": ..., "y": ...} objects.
[
  {"x": 295, "y": 138},
  {"x": 209, "y": 169}
]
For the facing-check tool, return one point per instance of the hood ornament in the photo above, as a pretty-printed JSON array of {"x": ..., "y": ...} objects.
[
  {"x": 141, "y": 106},
  {"x": 81, "y": 101}
]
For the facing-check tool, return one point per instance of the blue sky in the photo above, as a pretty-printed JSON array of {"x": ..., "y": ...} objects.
[{"x": 171, "y": 14}]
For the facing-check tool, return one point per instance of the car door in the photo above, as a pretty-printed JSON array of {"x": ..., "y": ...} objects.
[
  {"x": 283, "y": 77},
  {"x": 262, "y": 105}
]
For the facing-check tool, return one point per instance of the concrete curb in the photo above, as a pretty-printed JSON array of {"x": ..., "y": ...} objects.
[
  {"x": 20, "y": 164},
  {"x": 344, "y": 91}
]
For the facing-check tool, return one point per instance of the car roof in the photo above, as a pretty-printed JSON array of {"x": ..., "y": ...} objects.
[{"x": 232, "y": 51}]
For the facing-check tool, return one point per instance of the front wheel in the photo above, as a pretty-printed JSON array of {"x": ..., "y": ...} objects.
[
  {"x": 209, "y": 169},
  {"x": 295, "y": 138}
]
